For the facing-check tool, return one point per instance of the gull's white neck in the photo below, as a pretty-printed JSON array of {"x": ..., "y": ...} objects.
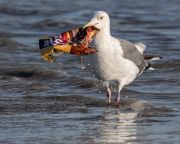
[{"x": 103, "y": 37}]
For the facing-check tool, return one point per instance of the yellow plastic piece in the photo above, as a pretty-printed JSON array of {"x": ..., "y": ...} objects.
[{"x": 63, "y": 48}]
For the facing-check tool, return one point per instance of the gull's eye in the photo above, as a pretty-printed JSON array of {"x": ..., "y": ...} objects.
[{"x": 101, "y": 18}]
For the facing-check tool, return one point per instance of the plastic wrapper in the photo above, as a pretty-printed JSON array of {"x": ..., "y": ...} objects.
[{"x": 74, "y": 42}]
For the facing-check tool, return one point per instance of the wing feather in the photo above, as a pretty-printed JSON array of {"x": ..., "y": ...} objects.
[{"x": 131, "y": 52}]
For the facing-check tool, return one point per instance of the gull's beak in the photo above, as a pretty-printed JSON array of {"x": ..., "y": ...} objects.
[
  {"x": 91, "y": 23},
  {"x": 88, "y": 24}
]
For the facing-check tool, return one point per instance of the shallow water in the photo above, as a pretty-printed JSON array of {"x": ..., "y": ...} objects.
[{"x": 62, "y": 103}]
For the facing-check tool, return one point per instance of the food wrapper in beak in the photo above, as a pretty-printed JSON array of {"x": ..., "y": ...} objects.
[{"x": 74, "y": 42}]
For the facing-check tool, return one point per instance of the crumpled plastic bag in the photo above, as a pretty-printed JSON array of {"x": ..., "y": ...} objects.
[{"x": 74, "y": 42}]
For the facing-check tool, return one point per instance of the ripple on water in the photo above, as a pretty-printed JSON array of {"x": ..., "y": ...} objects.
[{"x": 73, "y": 103}]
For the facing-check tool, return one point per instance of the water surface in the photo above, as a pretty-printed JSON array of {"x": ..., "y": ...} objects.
[{"x": 61, "y": 103}]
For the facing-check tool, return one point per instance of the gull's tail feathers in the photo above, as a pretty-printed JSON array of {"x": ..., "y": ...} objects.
[{"x": 150, "y": 58}]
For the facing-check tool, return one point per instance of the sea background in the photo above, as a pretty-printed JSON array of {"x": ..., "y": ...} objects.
[{"x": 62, "y": 102}]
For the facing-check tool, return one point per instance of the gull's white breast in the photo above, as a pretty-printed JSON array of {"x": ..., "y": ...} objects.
[{"x": 108, "y": 63}]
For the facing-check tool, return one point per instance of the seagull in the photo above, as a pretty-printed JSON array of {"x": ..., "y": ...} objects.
[{"x": 116, "y": 60}]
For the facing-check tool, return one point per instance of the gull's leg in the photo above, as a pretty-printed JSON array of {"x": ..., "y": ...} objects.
[
  {"x": 108, "y": 90},
  {"x": 109, "y": 94},
  {"x": 119, "y": 94}
]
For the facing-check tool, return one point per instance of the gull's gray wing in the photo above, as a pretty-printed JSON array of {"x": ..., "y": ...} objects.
[{"x": 131, "y": 52}]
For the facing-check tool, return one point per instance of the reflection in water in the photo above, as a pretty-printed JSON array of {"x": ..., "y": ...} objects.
[{"x": 118, "y": 127}]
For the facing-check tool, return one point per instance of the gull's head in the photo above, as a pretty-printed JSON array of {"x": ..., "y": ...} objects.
[{"x": 100, "y": 20}]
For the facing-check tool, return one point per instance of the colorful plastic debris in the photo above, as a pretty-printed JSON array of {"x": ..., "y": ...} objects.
[{"x": 74, "y": 42}]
